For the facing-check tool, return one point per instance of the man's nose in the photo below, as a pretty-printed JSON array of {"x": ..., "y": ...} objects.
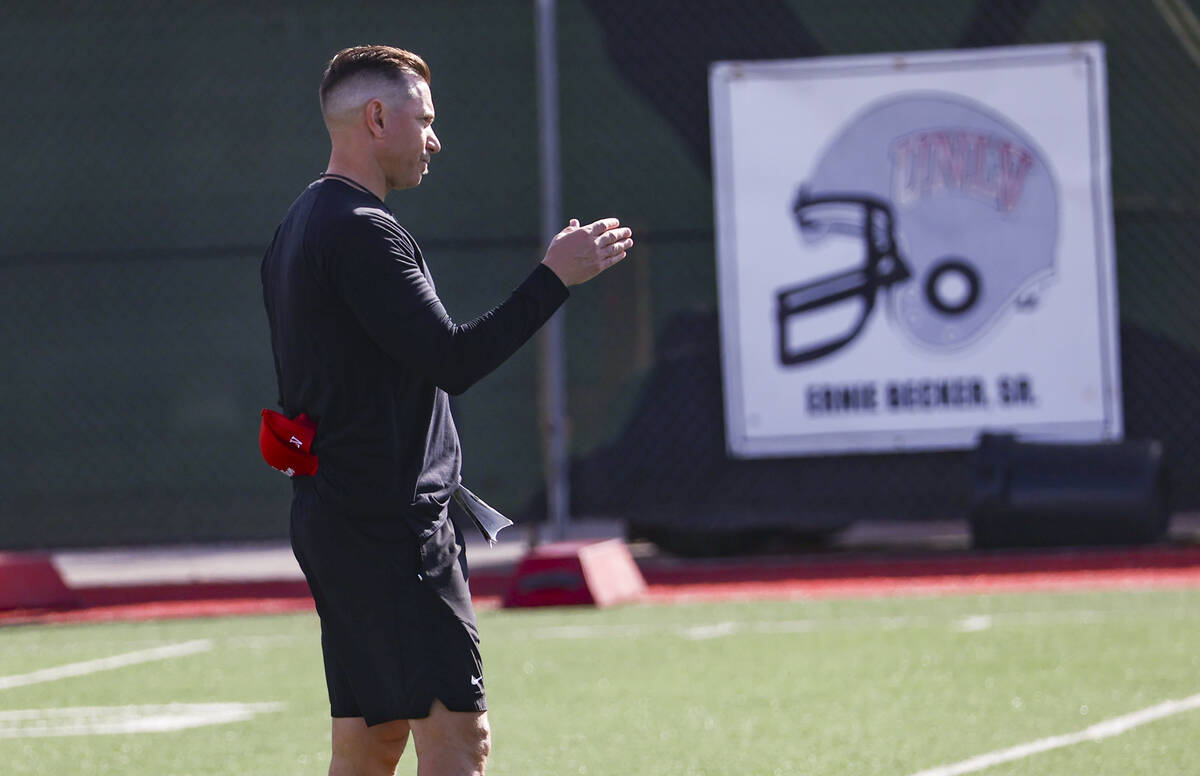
[{"x": 434, "y": 145}]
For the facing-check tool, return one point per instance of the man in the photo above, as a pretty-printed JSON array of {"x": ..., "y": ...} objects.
[{"x": 365, "y": 349}]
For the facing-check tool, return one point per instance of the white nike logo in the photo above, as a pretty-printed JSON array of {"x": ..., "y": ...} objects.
[{"x": 477, "y": 681}]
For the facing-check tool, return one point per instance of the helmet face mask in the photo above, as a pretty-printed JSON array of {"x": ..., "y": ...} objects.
[
  {"x": 863, "y": 217},
  {"x": 957, "y": 213}
]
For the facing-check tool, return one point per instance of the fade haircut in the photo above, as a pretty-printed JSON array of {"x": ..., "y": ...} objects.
[{"x": 386, "y": 63}]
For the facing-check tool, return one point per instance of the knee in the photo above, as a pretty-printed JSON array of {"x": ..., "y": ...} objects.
[
  {"x": 484, "y": 745},
  {"x": 368, "y": 757},
  {"x": 452, "y": 742},
  {"x": 370, "y": 750},
  {"x": 468, "y": 746},
  {"x": 376, "y": 759},
  {"x": 475, "y": 744}
]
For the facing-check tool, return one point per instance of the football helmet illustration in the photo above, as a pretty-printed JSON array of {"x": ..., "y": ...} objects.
[{"x": 957, "y": 213}]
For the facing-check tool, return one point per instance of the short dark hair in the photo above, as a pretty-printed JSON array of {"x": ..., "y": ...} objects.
[{"x": 391, "y": 62}]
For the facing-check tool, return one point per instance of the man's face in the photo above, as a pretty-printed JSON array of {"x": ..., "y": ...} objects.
[{"x": 409, "y": 140}]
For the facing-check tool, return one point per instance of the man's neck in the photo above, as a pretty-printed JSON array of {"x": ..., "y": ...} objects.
[{"x": 369, "y": 176}]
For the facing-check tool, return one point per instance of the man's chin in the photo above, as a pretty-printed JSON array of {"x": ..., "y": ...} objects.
[{"x": 411, "y": 184}]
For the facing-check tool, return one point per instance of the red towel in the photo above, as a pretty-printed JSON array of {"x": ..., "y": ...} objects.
[{"x": 286, "y": 443}]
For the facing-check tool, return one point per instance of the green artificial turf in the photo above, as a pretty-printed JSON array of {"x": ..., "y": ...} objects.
[{"x": 886, "y": 686}]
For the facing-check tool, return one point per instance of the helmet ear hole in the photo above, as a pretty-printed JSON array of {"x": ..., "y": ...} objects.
[{"x": 952, "y": 286}]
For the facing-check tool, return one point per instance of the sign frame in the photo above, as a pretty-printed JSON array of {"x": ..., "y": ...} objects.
[{"x": 745, "y": 440}]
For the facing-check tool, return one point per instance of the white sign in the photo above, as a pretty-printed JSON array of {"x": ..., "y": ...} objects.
[{"x": 914, "y": 248}]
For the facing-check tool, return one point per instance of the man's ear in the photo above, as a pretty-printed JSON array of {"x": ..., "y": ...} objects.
[{"x": 374, "y": 111}]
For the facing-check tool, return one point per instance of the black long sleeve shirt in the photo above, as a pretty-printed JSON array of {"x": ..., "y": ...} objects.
[{"x": 363, "y": 345}]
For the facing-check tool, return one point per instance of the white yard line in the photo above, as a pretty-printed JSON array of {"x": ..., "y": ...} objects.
[
  {"x": 274, "y": 641},
  {"x": 715, "y": 631},
  {"x": 166, "y": 652},
  {"x": 1098, "y": 732},
  {"x": 974, "y": 623},
  {"x": 960, "y": 624},
  {"x": 113, "y": 720}
]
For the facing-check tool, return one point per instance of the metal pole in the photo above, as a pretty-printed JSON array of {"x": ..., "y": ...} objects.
[{"x": 552, "y": 343}]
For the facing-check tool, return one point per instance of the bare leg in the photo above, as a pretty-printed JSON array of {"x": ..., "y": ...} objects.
[
  {"x": 359, "y": 750},
  {"x": 451, "y": 743}
]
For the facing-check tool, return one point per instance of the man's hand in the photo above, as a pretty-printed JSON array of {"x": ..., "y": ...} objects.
[{"x": 579, "y": 253}]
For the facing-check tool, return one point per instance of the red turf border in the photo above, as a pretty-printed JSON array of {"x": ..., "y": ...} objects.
[{"x": 672, "y": 580}]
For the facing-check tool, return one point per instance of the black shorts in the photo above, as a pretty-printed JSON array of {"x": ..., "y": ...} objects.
[{"x": 397, "y": 625}]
